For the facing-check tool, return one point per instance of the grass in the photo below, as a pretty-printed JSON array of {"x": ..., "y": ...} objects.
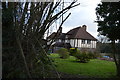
[{"x": 94, "y": 68}]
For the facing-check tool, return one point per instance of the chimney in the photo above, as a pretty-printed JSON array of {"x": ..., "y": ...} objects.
[{"x": 84, "y": 27}]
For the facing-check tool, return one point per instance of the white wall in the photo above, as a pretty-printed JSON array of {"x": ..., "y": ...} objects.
[
  {"x": 72, "y": 42},
  {"x": 78, "y": 43}
]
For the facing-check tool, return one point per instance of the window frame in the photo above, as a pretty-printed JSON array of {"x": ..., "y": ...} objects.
[
  {"x": 83, "y": 41},
  {"x": 88, "y": 41}
]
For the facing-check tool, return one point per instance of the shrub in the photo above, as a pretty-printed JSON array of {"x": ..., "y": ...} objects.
[
  {"x": 63, "y": 53},
  {"x": 73, "y": 51},
  {"x": 97, "y": 55},
  {"x": 82, "y": 56},
  {"x": 94, "y": 55},
  {"x": 91, "y": 55}
]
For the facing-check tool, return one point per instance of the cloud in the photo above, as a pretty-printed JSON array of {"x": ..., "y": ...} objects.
[{"x": 83, "y": 14}]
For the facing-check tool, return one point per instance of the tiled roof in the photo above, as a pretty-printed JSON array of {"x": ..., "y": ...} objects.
[
  {"x": 80, "y": 33},
  {"x": 51, "y": 36},
  {"x": 76, "y": 33},
  {"x": 61, "y": 36}
]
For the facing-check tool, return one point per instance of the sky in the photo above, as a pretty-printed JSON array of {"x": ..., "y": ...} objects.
[{"x": 84, "y": 14}]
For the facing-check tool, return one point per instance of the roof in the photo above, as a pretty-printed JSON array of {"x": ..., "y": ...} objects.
[
  {"x": 61, "y": 36},
  {"x": 80, "y": 33},
  {"x": 76, "y": 33},
  {"x": 51, "y": 36}
]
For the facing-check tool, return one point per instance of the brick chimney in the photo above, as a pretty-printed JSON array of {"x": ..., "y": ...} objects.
[{"x": 84, "y": 27}]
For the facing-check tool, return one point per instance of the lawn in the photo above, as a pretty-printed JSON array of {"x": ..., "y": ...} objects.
[{"x": 94, "y": 68}]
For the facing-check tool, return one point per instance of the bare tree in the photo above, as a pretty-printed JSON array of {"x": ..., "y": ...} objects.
[{"x": 31, "y": 21}]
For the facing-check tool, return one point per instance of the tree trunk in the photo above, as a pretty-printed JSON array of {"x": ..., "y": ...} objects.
[
  {"x": 21, "y": 51},
  {"x": 118, "y": 70},
  {"x": 118, "y": 66},
  {"x": 117, "y": 60}
]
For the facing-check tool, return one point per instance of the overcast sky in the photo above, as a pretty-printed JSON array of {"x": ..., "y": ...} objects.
[{"x": 84, "y": 14}]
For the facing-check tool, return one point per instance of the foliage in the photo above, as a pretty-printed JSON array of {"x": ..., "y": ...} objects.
[
  {"x": 12, "y": 64},
  {"x": 24, "y": 26},
  {"x": 95, "y": 68},
  {"x": 63, "y": 53},
  {"x": 108, "y": 19},
  {"x": 73, "y": 51},
  {"x": 97, "y": 55},
  {"x": 82, "y": 56},
  {"x": 105, "y": 48},
  {"x": 93, "y": 55}
]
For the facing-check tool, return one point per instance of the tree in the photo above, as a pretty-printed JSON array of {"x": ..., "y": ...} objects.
[
  {"x": 24, "y": 25},
  {"x": 108, "y": 19}
]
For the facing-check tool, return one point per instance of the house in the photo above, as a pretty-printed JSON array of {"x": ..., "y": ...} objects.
[{"x": 75, "y": 38}]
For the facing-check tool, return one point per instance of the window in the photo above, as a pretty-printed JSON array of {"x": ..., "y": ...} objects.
[
  {"x": 88, "y": 41},
  {"x": 67, "y": 41},
  {"x": 66, "y": 37},
  {"x": 59, "y": 40},
  {"x": 83, "y": 41}
]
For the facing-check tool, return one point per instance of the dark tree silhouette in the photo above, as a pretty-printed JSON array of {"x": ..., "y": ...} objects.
[
  {"x": 24, "y": 26},
  {"x": 108, "y": 19}
]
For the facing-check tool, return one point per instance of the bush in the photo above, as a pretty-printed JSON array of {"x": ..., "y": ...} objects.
[
  {"x": 91, "y": 55},
  {"x": 63, "y": 53},
  {"x": 97, "y": 55},
  {"x": 94, "y": 55},
  {"x": 73, "y": 51},
  {"x": 82, "y": 56}
]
